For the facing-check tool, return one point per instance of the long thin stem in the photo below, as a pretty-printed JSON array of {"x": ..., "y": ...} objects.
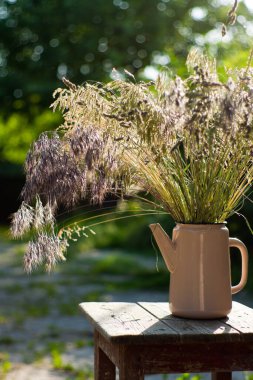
[
  {"x": 147, "y": 212},
  {"x": 125, "y": 217}
]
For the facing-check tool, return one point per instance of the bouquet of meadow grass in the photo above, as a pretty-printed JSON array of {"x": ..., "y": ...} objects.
[{"x": 187, "y": 143}]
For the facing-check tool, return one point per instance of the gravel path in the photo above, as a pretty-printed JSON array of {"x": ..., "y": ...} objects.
[{"x": 43, "y": 336}]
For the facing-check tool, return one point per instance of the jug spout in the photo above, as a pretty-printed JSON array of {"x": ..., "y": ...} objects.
[{"x": 165, "y": 245}]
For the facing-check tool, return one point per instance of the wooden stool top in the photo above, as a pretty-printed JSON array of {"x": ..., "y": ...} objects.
[{"x": 145, "y": 322}]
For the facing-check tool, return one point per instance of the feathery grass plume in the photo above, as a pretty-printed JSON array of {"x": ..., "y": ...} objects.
[
  {"x": 44, "y": 250},
  {"x": 22, "y": 220},
  {"x": 188, "y": 143},
  {"x": 38, "y": 214}
]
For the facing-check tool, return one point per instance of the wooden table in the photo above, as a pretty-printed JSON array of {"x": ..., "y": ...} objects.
[{"x": 144, "y": 338}]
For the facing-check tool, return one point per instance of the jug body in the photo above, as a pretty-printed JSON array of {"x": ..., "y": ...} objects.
[{"x": 200, "y": 285}]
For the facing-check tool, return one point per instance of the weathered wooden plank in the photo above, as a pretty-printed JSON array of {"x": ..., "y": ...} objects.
[
  {"x": 153, "y": 322},
  {"x": 241, "y": 318},
  {"x": 209, "y": 330},
  {"x": 160, "y": 310},
  {"x": 237, "y": 306},
  {"x": 127, "y": 322}
]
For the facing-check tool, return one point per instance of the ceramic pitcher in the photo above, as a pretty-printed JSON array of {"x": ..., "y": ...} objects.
[{"x": 199, "y": 262}]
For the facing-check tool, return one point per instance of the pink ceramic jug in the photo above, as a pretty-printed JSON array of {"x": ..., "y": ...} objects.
[{"x": 198, "y": 260}]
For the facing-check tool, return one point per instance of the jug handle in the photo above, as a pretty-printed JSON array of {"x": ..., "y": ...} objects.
[{"x": 233, "y": 242}]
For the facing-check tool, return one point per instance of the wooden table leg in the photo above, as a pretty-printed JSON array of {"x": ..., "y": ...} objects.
[
  {"x": 130, "y": 367},
  {"x": 221, "y": 375},
  {"x": 104, "y": 369}
]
